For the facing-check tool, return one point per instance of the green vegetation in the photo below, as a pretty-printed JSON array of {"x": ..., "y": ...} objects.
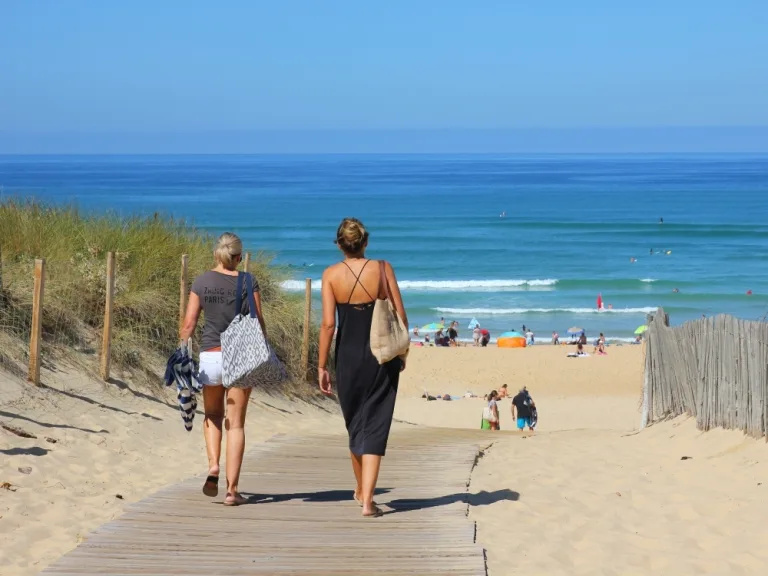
[{"x": 146, "y": 308}]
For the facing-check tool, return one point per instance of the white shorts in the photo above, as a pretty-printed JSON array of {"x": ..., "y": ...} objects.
[{"x": 210, "y": 368}]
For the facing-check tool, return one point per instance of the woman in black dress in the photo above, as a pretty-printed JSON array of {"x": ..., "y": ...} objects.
[{"x": 366, "y": 389}]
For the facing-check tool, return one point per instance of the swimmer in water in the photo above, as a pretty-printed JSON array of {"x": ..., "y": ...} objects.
[
  {"x": 675, "y": 290},
  {"x": 651, "y": 251},
  {"x": 661, "y": 220}
]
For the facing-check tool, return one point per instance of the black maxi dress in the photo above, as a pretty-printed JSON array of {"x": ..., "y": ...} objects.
[{"x": 366, "y": 389}]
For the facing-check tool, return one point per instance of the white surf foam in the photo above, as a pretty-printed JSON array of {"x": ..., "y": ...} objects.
[
  {"x": 442, "y": 285},
  {"x": 648, "y": 280},
  {"x": 515, "y": 311}
]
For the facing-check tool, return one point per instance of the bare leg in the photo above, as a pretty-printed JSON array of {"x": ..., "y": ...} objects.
[
  {"x": 357, "y": 468},
  {"x": 370, "y": 475},
  {"x": 237, "y": 405},
  {"x": 213, "y": 401}
]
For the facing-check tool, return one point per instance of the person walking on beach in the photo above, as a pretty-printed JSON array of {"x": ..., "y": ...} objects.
[
  {"x": 214, "y": 293},
  {"x": 521, "y": 409},
  {"x": 476, "y": 335},
  {"x": 366, "y": 389},
  {"x": 491, "y": 412}
]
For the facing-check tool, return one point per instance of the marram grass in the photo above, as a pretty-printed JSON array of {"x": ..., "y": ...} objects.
[{"x": 148, "y": 254}]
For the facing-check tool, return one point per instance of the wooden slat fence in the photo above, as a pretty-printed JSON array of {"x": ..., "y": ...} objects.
[{"x": 715, "y": 369}]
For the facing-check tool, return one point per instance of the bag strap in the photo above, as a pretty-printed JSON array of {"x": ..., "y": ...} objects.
[
  {"x": 383, "y": 282},
  {"x": 239, "y": 295},
  {"x": 249, "y": 294},
  {"x": 245, "y": 276}
]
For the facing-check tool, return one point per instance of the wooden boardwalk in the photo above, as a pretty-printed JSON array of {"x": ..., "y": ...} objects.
[{"x": 302, "y": 519}]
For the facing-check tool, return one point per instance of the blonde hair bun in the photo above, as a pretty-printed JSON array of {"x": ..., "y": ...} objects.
[
  {"x": 228, "y": 249},
  {"x": 351, "y": 236}
]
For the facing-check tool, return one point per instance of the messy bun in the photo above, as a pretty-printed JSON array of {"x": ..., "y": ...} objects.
[
  {"x": 228, "y": 248},
  {"x": 351, "y": 236}
]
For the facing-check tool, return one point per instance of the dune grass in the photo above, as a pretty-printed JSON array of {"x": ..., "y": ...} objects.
[{"x": 148, "y": 253}]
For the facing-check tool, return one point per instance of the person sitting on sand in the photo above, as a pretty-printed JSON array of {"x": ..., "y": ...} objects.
[
  {"x": 638, "y": 339},
  {"x": 503, "y": 393},
  {"x": 521, "y": 409},
  {"x": 491, "y": 413}
]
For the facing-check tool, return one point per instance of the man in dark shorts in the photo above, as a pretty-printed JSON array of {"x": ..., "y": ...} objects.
[{"x": 521, "y": 410}]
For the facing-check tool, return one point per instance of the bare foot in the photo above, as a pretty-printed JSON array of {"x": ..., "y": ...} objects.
[
  {"x": 358, "y": 497},
  {"x": 234, "y": 499},
  {"x": 372, "y": 511}
]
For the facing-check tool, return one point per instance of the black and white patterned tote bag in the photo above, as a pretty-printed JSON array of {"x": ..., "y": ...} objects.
[{"x": 247, "y": 359}]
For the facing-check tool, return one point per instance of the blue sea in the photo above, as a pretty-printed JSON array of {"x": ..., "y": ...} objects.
[{"x": 508, "y": 240}]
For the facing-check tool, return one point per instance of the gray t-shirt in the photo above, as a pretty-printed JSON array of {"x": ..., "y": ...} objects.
[{"x": 217, "y": 297}]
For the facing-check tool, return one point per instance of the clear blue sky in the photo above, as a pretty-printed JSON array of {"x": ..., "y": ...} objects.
[{"x": 171, "y": 66}]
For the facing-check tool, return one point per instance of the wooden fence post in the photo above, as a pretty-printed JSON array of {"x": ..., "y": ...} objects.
[
  {"x": 1, "y": 272},
  {"x": 246, "y": 261},
  {"x": 183, "y": 290},
  {"x": 106, "y": 338},
  {"x": 307, "y": 319},
  {"x": 37, "y": 323}
]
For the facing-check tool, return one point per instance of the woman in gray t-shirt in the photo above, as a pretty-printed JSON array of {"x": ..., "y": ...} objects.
[{"x": 214, "y": 294}]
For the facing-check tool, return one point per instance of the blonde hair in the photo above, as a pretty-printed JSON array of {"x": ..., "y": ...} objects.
[
  {"x": 351, "y": 236},
  {"x": 228, "y": 248}
]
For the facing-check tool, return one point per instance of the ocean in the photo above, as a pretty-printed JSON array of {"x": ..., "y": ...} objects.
[{"x": 507, "y": 240}]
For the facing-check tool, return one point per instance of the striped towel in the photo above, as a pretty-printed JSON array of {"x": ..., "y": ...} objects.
[{"x": 182, "y": 370}]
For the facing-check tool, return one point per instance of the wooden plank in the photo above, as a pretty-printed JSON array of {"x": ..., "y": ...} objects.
[
  {"x": 106, "y": 339},
  {"x": 246, "y": 261},
  {"x": 183, "y": 281},
  {"x": 301, "y": 516},
  {"x": 37, "y": 322},
  {"x": 307, "y": 320}
]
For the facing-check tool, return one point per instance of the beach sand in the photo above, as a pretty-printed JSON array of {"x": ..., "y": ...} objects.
[
  {"x": 113, "y": 446},
  {"x": 585, "y": 494}
]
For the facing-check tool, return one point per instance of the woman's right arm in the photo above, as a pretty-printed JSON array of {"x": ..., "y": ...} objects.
[
  {"x": 327, "y": 328},
  {"x": 191, "y": 317}
]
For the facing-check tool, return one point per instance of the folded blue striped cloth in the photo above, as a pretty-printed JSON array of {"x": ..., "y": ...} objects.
[{"x": 182, "y": 370}]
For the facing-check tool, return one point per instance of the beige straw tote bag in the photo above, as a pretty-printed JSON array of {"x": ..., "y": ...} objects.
[{"x": 389, "y": 336}]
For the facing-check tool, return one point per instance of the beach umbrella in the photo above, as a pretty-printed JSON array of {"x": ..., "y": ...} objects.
[
  {"x": 512, "y": 334},
  {"x": 473, "y": 324},
  {"x": 575, "y": 330},
  {"x": 641, "y": 329},
  {"x": 433, "y": 327},
  {"x": 511, "y": 340}
]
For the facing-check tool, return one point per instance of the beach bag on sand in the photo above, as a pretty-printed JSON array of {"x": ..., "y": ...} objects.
[
  {"x": 247, "y": 359},
  {"x": 389, "y": 336}
]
